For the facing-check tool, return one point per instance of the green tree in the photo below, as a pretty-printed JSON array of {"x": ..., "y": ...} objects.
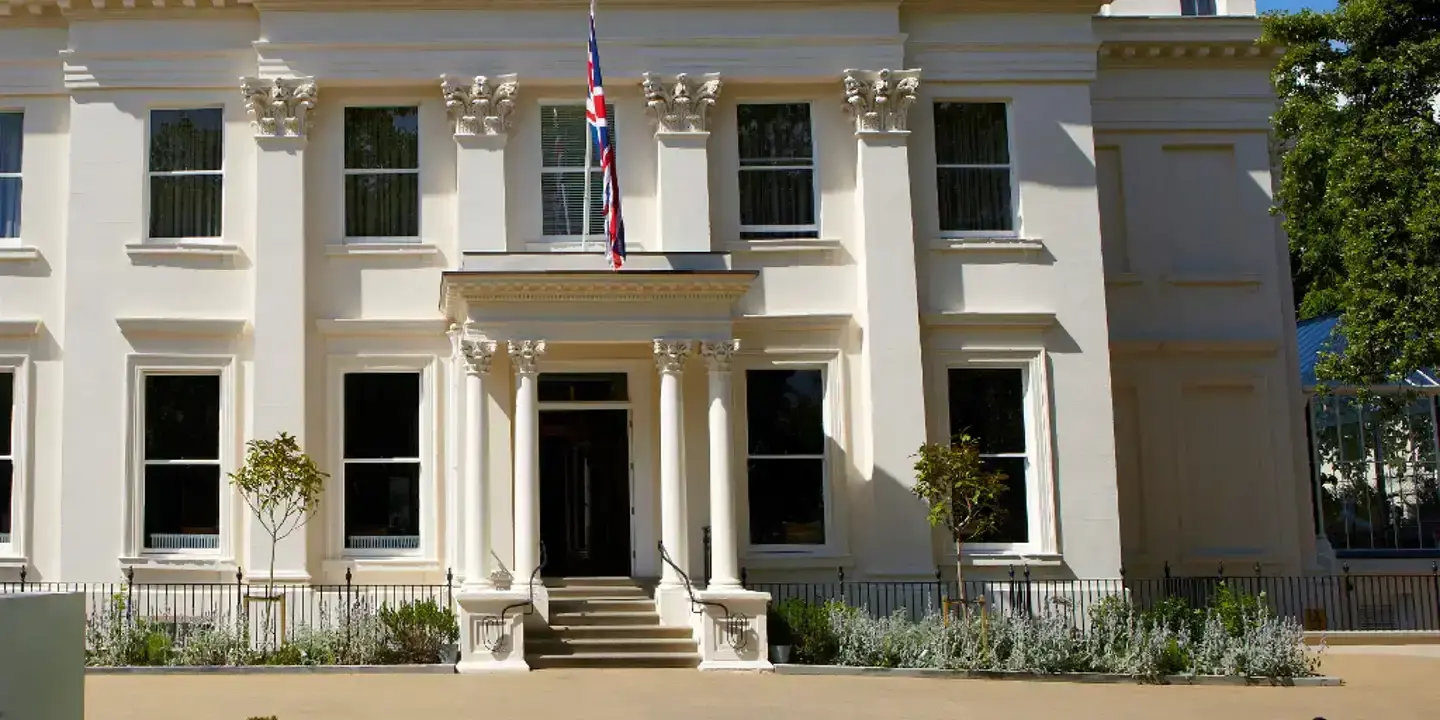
[
  {"x": 282, "y": 486},
  {"x": 963, "y": 496},
  {"x": 1360, "y": 181}
]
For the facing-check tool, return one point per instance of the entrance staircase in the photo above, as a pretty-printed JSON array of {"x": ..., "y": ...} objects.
[{"x": 606, "y": 622}]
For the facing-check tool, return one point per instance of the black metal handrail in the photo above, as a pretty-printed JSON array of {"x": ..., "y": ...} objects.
[
  {"x": 528, "y": 603},
  {"x": 737, "y": 640}
]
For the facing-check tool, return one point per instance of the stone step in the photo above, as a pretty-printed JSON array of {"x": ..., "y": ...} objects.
[
  {"x": 597, "y": 592},
  {"x": 595, "y": 581},
  {"x": 608, "y": 646},
  {"x": 615, "y": 631},
  {"x": 615, "y": 660},
  {"x": 605, "y": 618},
  {"x": 577, "y": 605}
]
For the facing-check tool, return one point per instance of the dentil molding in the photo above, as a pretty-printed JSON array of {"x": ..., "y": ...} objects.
[
  {"x": 670, "y": 355},
  {"x": 480, "y": 105},
  {"x": 682, "y": 105},
  {"x": 880, "y": 100},
  {"x": 279, "y": 107},
  {"x": 718, "y": 355},
  {"x": 525, "y": 355}
]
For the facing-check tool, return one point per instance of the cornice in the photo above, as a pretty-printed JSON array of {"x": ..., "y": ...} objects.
[
  {"x": 634, "y": 287},
  {"x": 19, "y": 328},
  {"x": 1232, "y": 53},
  {"x": 185, "y": 327}
]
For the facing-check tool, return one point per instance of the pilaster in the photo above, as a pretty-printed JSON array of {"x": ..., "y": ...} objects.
[
  {"x": 672, "y": 602},
  {"x": 680, "y": 108},
  {"x": 279, "y": 111},
  {"x": 480, "y": 110},
  {"x": 889, "y": 312}
]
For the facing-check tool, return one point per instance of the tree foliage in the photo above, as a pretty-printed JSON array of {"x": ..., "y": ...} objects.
[
  {"x": 962, "y": 495},
  {"x": 1360, "y": 187}
]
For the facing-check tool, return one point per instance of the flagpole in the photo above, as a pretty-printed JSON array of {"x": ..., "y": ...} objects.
[{"x": 585, "y": 224}]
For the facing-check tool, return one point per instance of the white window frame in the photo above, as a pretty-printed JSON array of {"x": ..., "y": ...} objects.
[
  {"x": 141, "y": 365},
  {"x": 426, "y": 556},
  {"x": 827, "y": 364},
  {"x": 1015, "y": 214},
  {"x": 1043, "y": 543},
  {"x": 15, "y": 241},
  {"x": 797, "y": 231},
  {"x": 416, "y": 171},
  {"x": 151, "y": 174},
  {"x": 1214, "y": 8},
  {"x": 595, "y": 241},
  {"x": 18, "y": 367}
]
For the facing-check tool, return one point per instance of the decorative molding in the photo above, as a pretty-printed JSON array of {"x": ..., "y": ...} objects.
[
  {"x": 626, "y": 287},
  {"x": 670, "y": 355},
  {"x": 279, "y": 107},
  {"x": 382, "y": 249},
  {"x": 987, "y": 244},
  {"x": 718, "y": 355},
  {"x": 994, "y": 320},
  {"x": 19, "y": 328},
  {"x": 390, "y": 327},
  {"x": 683, "y": 105},
  {"x": 477, "y": 351},
  {"x": 783, "y": 245},
  {"x": 1163, "y": 54},
  {"x": 525, "y": 355},
  {"x": 478, "y": 106},
  {"x": 880, "y": 100},
  {"x": 180, "y": 250},
  {"x": 134, "y": 327}
]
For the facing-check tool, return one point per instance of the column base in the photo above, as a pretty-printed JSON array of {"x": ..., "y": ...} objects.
[
  {"x": 492, "y": 630},
  {"x": 736, "y": 641}
]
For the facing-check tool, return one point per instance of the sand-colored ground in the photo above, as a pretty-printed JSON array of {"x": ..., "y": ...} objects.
[{"x": 1383, "y": 687}]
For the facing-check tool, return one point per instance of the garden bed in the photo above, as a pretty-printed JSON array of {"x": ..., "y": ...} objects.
[
  {"x": 1074, "y": 677},
  {"x": 436, "y": 669}
]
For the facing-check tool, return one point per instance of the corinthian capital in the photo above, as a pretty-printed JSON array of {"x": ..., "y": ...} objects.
[
  {"x": 681, "y": 105},
  {"x": 480, "y": 105},
  {"x": 670, "y": 355},
  {"x": 880, "y": 100},
  {"x": 525, "y": 354},
  {"x": 279, "y": 107},
  {"x": 477, "y": 351},
  {"x": 718, "y": 355}
]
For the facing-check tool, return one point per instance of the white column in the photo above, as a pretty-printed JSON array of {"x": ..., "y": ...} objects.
[
  {"x": 680, "y": 108},
  {"x": 525, "y": 355},
  {"x": 480, "y": 109},
  {"x": 279, "y": 112},
  {"x": 724, "y": 551},
  {"x": 670, "y": 360},
  {"x": 476, "y": 352},
  {"x": 892, "y": 392}
]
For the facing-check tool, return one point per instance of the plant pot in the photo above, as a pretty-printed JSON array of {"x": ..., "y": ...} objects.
[
  {"x": 780, "y": 654},
  {"x": 449, "y": 654}
]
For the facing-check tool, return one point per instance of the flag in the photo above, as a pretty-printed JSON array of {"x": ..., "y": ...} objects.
[{"x": 598, "y": 123}]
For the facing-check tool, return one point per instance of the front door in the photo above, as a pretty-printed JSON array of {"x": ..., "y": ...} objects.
[{"x": 585, "y": 492}]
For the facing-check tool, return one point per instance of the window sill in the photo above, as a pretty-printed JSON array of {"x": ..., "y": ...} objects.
[
  {"x": 381, "y": 249},
  {"x": 180, "y": 563},
  {"x": 571, "y": 245},
  {"x": 14, "y": 561},
  {"x": 19, "y": 254},
  {"x": 987, "y": 243},
  {"x": 181, "y": 249},
  {"x": 782, "y": 245},
  {"x": 394, "y": 564},
  {"x": 1007, "y": 558}
]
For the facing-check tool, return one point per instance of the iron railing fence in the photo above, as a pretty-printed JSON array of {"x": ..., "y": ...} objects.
[{"x": 1337, "y": 603}]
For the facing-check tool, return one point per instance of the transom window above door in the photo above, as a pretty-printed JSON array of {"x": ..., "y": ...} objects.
[
  {"x": 584, "y": 387},
  {"x": 382, "y": 174},
  {"x": 187, "y": 154},
  {"x": 564, "y": 135},
  {"x": 777, "y": 171}
]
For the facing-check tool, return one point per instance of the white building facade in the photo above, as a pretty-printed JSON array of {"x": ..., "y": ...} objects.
[{"x": 852, "y": 228}]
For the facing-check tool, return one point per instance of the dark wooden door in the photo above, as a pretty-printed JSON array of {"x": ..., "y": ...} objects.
[{"x": 585, "y": 492}]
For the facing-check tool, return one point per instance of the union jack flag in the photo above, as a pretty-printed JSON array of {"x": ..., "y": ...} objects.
[{"x": 595, "y": 118}]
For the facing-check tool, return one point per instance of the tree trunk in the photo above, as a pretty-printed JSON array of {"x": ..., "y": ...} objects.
[
  {"x": 960, "y": 569},
  {"x": 270, "y": 597}
]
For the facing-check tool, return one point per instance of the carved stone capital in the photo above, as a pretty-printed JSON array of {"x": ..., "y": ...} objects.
[
  {"x": 480, "y": 105},
  {"x": 477, "y": 351},
  {"x": 525, "y": 354},
  {"x": 718, "y": 355},
  {"x": 681, "y": 105},
  {"x": 880, "y": 100},
  {"x": 279, "y": 107},
  {"x": 670, "y": 355}
]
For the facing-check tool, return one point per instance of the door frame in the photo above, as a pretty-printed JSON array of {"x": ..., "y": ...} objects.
[{"x": 639, "y": 384}]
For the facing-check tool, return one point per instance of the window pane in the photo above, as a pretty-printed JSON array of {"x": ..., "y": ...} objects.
[
  {"x": 382, "y": 138},
  {"x": 775, "y": 134},
  {"x": 185, "y": 206},
  {"x": 382, "y": 206},
  {"x": 382, "y": 500},
  {"x": 7, "y": 411},
  {"x": 786, "y": 412},
  {"x": 971, "y": 134},
  {"x": 787, "y": 501},
  {"x": 583, "y": 387},
  {"x": 382, "y": 415},
  {"x": 777, "y": 197},
  {"x": 9, "y": 207},
  {"x": 975, "y": 199},
  {"x": 11, "y": 141},
  {"x": 1015, "y": 525},
  {"x": 186, "y": 140},
  {"x": 7, "y": 478},
  {"x": 562, "y": 197},
  {"x": 182, "y": 500},
  {"x": 182, "y": 417},
  {"x": 989, "y": 405},
  {"x": 564, "y": 134},
  {"x": 1197, "y": 7}
]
